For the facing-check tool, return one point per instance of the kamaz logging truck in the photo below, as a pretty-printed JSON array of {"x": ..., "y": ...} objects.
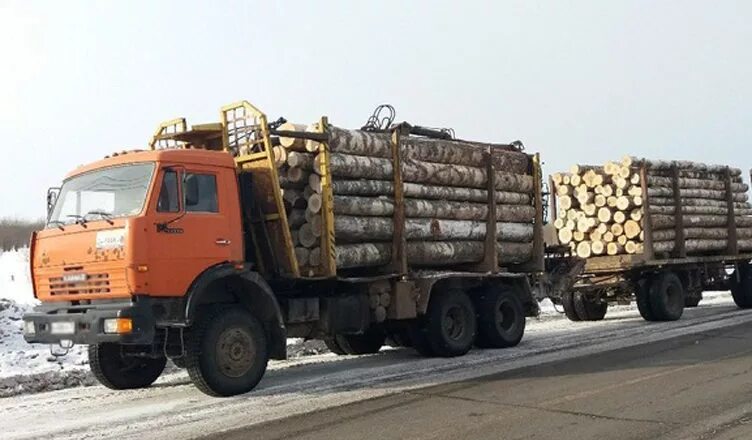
[{"x": 222, "y": 240}]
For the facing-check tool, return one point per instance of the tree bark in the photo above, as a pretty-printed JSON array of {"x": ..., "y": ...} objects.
[
  {"x": 301, "y": 160},
  {"x": 364, "y": 167},
  {"x": 365, "y": 229},
  {"x": 685, "y": 165},
  {"x": 383, "y": 206},
  {"x": 424, "y": 149},
  {"x": 429, "y": 253},
  {"x": 711, "y": 210},
  {"x": 296, "y": 218},
  {"x": 705, "y": 221},
  {"x": 687, "y": 183},
  {"x": 666, "y": 201},
  {"x": 697, "y": 246},
  {"x": 701, "y": 233},
  {"x": 416, "y": 190},
  {"x": 696, "y": 193}
]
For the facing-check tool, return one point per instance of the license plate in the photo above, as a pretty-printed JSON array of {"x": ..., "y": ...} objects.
[{"x": 62, "y": 328}]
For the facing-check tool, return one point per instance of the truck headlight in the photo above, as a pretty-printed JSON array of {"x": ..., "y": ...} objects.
[
  {"x": 29, "y": 328},
  {"x": 118, "y": 325}
]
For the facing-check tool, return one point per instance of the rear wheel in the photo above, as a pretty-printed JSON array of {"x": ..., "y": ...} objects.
[
  {"x": 667, "y": 297},
  {"x": 118, "y": 372},
  {"x": 567, "y": 302},
  {"x": 642, "y": 297},
  {"x": 741, "y": 286},
  {"x": 227, "y": 351},
  {"x": 368, "y": 342},
  {"x": 589, "y": 308},
  {"x": 501, "y": 319},
  {"x": 450, "y": 325}
]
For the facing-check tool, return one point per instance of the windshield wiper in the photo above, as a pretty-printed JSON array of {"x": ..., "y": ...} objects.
[
  {"x": 80, "y": 219},
  {"x": 104, "y": 214},
  {"x": 58, "y": 223}
]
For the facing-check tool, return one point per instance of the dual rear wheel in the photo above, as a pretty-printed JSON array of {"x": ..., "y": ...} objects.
[
  {"x": 660, "y": 297},
  {"x": 453, "y": 322},
  {"x": 581, "y": 306}
]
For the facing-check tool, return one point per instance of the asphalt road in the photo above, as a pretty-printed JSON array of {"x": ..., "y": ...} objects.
[{"x": 691, "y": 387}]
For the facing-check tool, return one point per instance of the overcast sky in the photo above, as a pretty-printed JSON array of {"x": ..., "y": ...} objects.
[{"x": 577, "y": 81}]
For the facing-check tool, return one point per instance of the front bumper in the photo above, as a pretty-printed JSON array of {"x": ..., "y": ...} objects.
[{"x": 88, "y": 322}]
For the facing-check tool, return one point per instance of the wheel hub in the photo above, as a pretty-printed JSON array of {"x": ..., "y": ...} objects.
[
  {"x": 235, "y": 352},
  {"x": 454, "y": 323}
]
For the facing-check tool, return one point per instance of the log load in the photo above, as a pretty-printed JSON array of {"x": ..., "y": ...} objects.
[
  {"x": 608, "y": 206},
  {"x": 445, "y": 199}
]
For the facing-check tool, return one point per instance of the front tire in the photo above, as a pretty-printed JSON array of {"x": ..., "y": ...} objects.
[
  {"x": 118, "y": 372},
  {"x": 227, "y": 351},
  {"x": 501, "y": 319}
]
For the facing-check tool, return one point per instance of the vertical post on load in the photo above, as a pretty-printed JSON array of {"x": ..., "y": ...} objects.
[
  {"x": 490, "y": 262},
  {"x": 680, "y": 250},
  {"x": 732, "y": 246},
  {"x": 399, "y": 242},
  {"x": 647, "y": 219},
  {"x": 328, "y": 251},
  {"x": 538, "y": 245}
]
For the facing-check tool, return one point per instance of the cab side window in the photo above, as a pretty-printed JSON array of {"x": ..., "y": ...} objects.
[
  {"x": 168, "y": 193},
  {"x": 200, "y": 192}
]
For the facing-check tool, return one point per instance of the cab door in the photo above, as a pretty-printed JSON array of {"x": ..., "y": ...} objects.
[{"x": 195, "y": 228}]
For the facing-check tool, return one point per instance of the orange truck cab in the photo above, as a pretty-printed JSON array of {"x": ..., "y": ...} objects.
[{"x": 178, "y": 253}]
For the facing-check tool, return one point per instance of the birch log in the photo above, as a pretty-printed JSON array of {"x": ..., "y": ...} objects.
[
  {"x": 705, "y": 221},
  {"x": 696, "y": 193},
  {"x": 702, "y": 233},
  {"x": 687, "y": 183},
  {"x": 697, "y": 246},
  {"x": 290, "y": 143},
  {"x": 364, "y": 167},
  {"x": 351, "y": 228},
  {"x": 384, "y": 187}
]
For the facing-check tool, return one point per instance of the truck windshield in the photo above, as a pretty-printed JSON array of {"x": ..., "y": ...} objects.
[{"x": 106, "y": 193}]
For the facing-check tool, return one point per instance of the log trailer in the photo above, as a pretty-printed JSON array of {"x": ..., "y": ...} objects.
[
  {"x": 691, "y": 231},
  {"x": 187, "y": 251}
]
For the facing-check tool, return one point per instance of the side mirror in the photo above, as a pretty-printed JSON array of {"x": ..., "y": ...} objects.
[
  {"x": 52, "y": 194},
  {"x": 190, "y": 188}
]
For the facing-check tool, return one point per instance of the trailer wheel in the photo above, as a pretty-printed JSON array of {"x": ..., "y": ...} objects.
[
  {"x": 667, "y": 297},
  {"x": 119, "y": 372},
  {"x": 501, "y": 319},
  {"x": 741, "y": 286},
  {"x": 642, "y": 297},
  {"x": 368, "y": 342},
  {"x": 589, "y": 309},
  {"x": 333, "y": 346},
  {"x": 567, "y": 302},
  {"x": 227, "y": 351},
  {"x": 451, "y": 324}
]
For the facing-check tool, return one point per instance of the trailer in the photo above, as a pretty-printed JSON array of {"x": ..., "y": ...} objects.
[
  {"x": 661, "y": 282},
  {"x": 193, "y": 258}
]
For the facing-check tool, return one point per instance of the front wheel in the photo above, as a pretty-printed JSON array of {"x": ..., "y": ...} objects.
[
  {"x": 227, "y": 351},
  {"x": 117, "y": 371}
]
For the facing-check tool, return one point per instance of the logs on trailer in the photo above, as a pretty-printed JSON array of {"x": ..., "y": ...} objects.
[
  {"x": 445, "y": 191},
  {"x": 706, "y": 196}
]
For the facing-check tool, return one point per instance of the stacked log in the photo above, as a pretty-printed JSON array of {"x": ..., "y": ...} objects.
[
  {"x": 605, "y": 210},
  {"x": 446, "y": 201}
]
